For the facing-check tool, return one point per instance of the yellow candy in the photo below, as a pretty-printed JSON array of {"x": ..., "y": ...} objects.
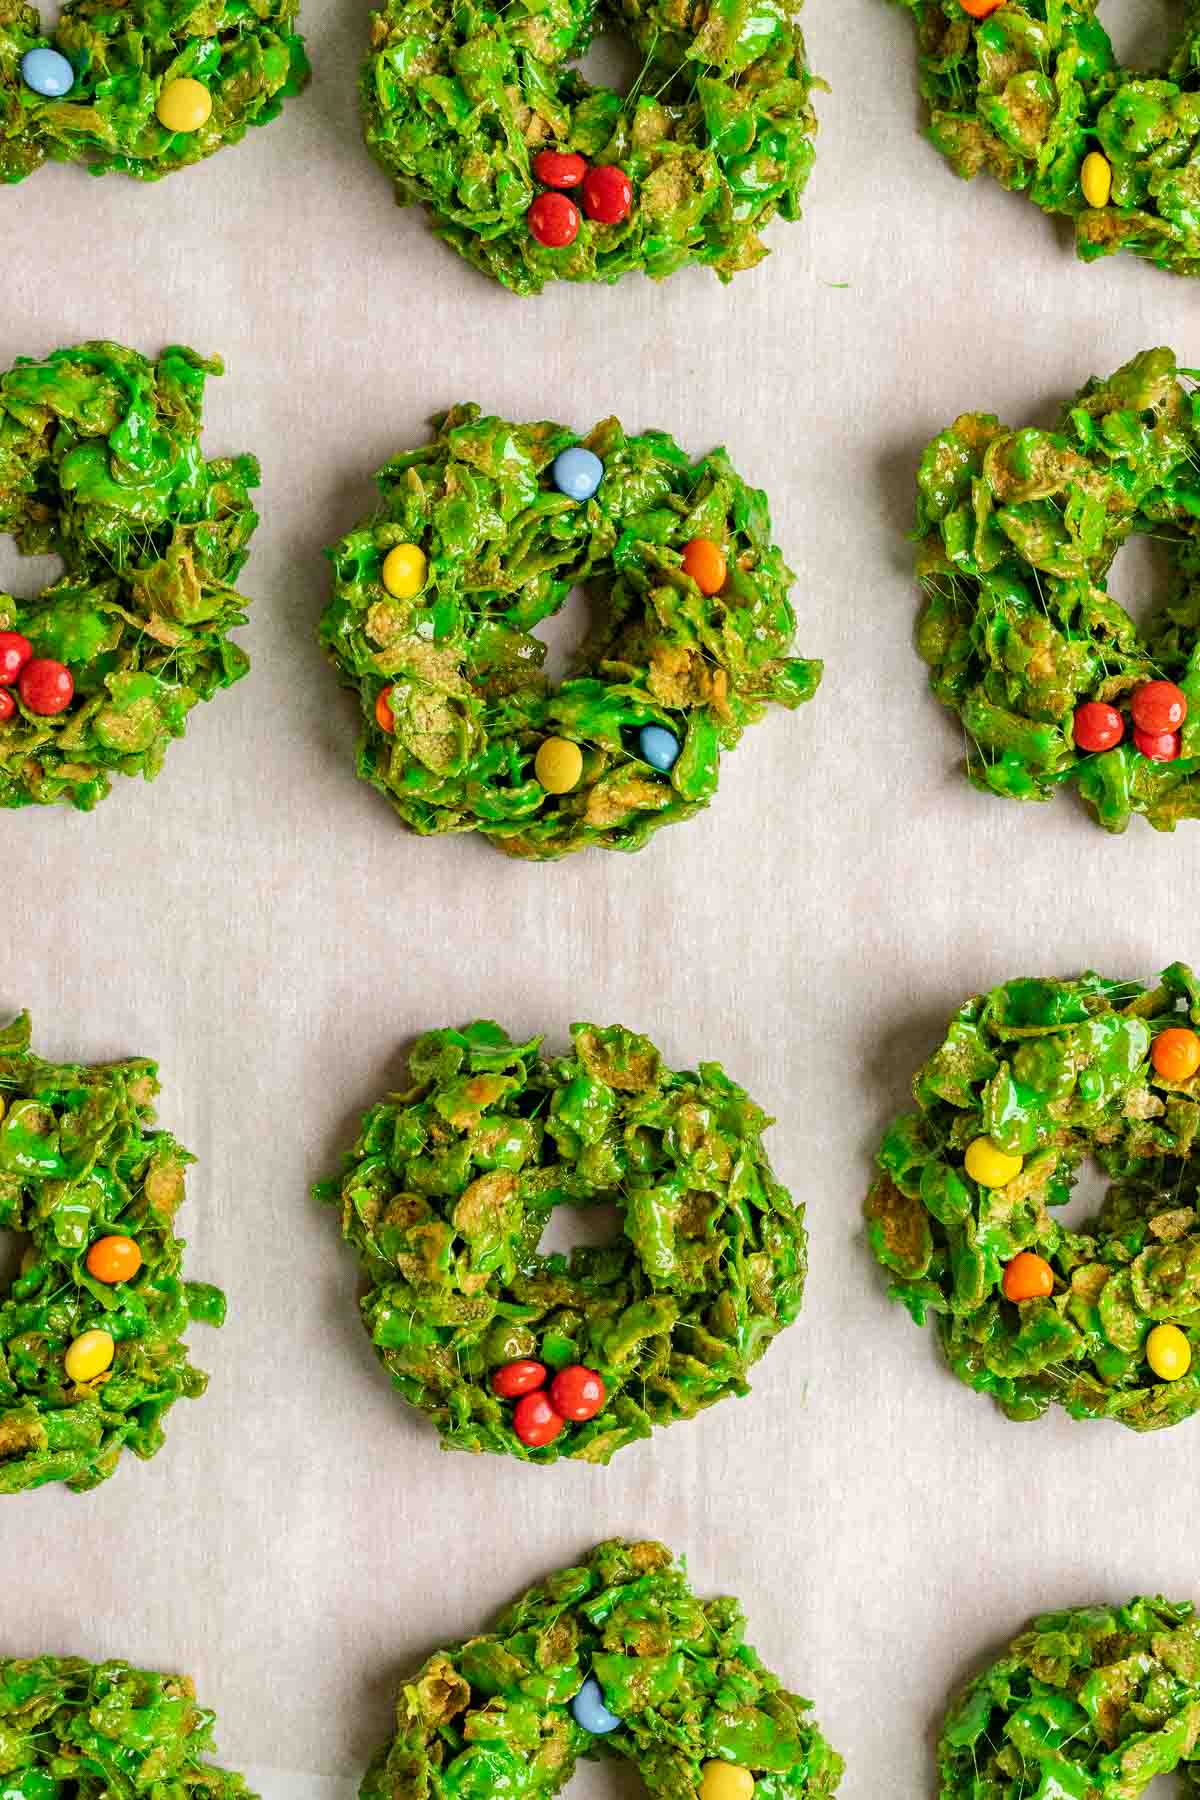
[
  {"x": 990, "y": 1166},
  {"x": 184, "y": 105},
  {"x": 3, "y": 1107},
  {"x": 90, "y": 1355},
  {"x": 404, "y": 571},
  {"x": 1095, "y": 178},
  {"x": 558, "y": 765},
  {"x": 1168, "y": 1352},
  {"x": 725, "y": 1781}
]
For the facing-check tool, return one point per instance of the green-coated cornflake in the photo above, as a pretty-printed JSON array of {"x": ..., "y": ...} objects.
[
  {"x": 1029, "y": 92},
  {"x": 1018, "y": 531},
  {"x": 461, "y": 667},
  {"x": 247, "y": 56},
  {"x": 100, "y": 464},
  {"x": 1053, "y": 1071},
  {"x": 1091, "y": 1703},
  {"x": 80, "y": 1160},
  {"x": 492, "y": 1716},
  {"x": 716, "y": 133},
  {"x": 450, "y": 1186},
  {"x": 105, "y": 1731}
]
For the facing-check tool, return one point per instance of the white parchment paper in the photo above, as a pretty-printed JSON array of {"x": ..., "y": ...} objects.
[{"x": 257, "y": 922}]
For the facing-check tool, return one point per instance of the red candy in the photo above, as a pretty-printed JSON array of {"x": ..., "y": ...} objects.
[
  {"x": 8, "y": 705},
  {"x": 1158, "y": 707},
  {"x": 518, "y": 1378},
  {"x": 607, "y": 194},
  {"x": 15, "y": 652},
  {"x": 46, "y": 686},
  {"x": 1097, "y": 726},
  {"x": 535, "y": 1420},
  {"x": 1159, "y": 746},
  {"x": 554, "y": 221},
  {"x": 577, "y": 1393},
  {"x": 559, "y": 168}
]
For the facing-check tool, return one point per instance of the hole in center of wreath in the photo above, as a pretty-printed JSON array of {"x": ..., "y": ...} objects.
[
  {"x": 13, "y": 1245},
  {"x": 1087, "y": 1197},
  {"x": 25, "y": 577},
  {"x": 571, "y": 1228},
  {"x": 1140, "y": 577},
  {"x": 564, "y": 636},
  {"x": 1143, "y": 32},
  {"x": 611, "y": 60}
]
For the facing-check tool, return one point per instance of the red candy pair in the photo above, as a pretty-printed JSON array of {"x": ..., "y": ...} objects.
[
  {"x": 44, "y": 685},
  {"x": 553, "y": 218},
  {"x": 575, "y": 1394},
  {"x": 1158, "y": 708}
]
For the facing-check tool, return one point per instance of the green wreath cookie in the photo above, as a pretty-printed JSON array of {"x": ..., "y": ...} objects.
[
  {"x": 1032, "y": 92},
  {"x": 481, "y": 535},
  {"x": 449, "y": 1187},
  {"x": 100, "y": 464},
  {"x": 1053, "y": 682},
  {"x": 1032, "y": 1078},
  {"x": 145, "y": 86},
  {"x": 476, "y": 112},
  {"x": 1094, "y": 1701},
  {"x": 92, "y": 1355},
  {"x": 614, "y": 1659},
  {"x": 105, "y": 1731}
]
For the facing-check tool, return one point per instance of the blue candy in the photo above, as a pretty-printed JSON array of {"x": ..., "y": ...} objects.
[
  {"x": 577, "y": 473},
  {"x": 590, "y": 1710},
  {"x": 48, "y": 73},
  {"x": 659, "y": 746}
]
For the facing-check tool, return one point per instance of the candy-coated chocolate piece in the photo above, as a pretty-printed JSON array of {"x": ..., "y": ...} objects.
[
  {"x": 1098, "y": 726},
  {"x": 554, "y": 220},
  {"x": 1095, "y": 178},
  {"x": 558, "y": 765},
  {"x": 979, "y": 9},
  {"x": 8, "y": 705},
  {"x": 1168, "y": 1352},
  {"x": 405, "y": 571},
  {"x": 590, "y": 1710},
  {"x": 46, "y": 686},
  {"x": 384, "y": 716},
  {"x": 577, "y": 1393},
  {"x": 535, "y": 1420},
  {"x": 659, "y": 747},
  {"x": 114, "y": 1259},
  {"x": 1159, "y": 746},
  {"x": 1175, "y": 1053},
  {"x": 1028, "y": 1277},
  {"x": 47, "y": 72},
  {"x": 990, "y": 1166},
  {"x": 1159, "y": 706},
  {"x": 517, "y": 1378},
  {"x": 559, "y": 168},
  {"x": 90, "y": 1354},
  {"x": 705, "y": 562},
  {"x": 725, "y": 1781},
  {"x": 15, "y": 652},
  {"x": 184, "y": 105},
  {"x": 607, "y": 194},
  {"x": 577, "y": 472}
]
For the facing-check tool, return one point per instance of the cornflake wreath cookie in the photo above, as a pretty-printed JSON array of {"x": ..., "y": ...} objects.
[
  {"x": 482, "y": 534},
  {"x": 534, "y": 175},
  {"x": 450, "y": 1185},
  {"x": 141, "y": 87},
  {"x": 92, "y": 1355},
  {"x": 1093, "y": 1701},
  {"x": 105, "y": 1731},
  {"x": 615, "y": 1658},
  {"x": 1033, "y": 1077},
  {"x": 1033, "y": 93},
  {"x": 1052, "y": 680},
  {"x": 100, "y": 464}
]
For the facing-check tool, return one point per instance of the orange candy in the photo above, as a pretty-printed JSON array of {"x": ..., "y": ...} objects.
[
  {"x": 113, "y": 1259},
  {"x": 979, "y": 9},
  {"x": 1176, "y": 1054},
  {"x": 1028, "y": 1277},
  {"x": 383, "y": 712},
  {"x": 704, "y": 561}
]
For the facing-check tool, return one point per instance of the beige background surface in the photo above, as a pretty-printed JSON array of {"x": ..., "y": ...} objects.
[{"x": 257, "y": 922}]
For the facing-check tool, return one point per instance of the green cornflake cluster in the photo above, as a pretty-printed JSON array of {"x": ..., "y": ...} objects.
[
  {"x": 450, "y": 1186},
  {"x": 1029, "y": 91},
  {"x": 79, "y": 1161},
  {"x": 1018, "y": 531},
  {"x": 100, "y": 464},
  {"x": 105, "y": 1731},
  {"x": 716, "y": 133},
  {"x": 492, "y": 1716},
  {"x": 1053, "y": 1071},
  {"x": 463, "y": 668},
  {"x": 246, "y": 55},
  {"x": 1091, "y": 1703}
]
